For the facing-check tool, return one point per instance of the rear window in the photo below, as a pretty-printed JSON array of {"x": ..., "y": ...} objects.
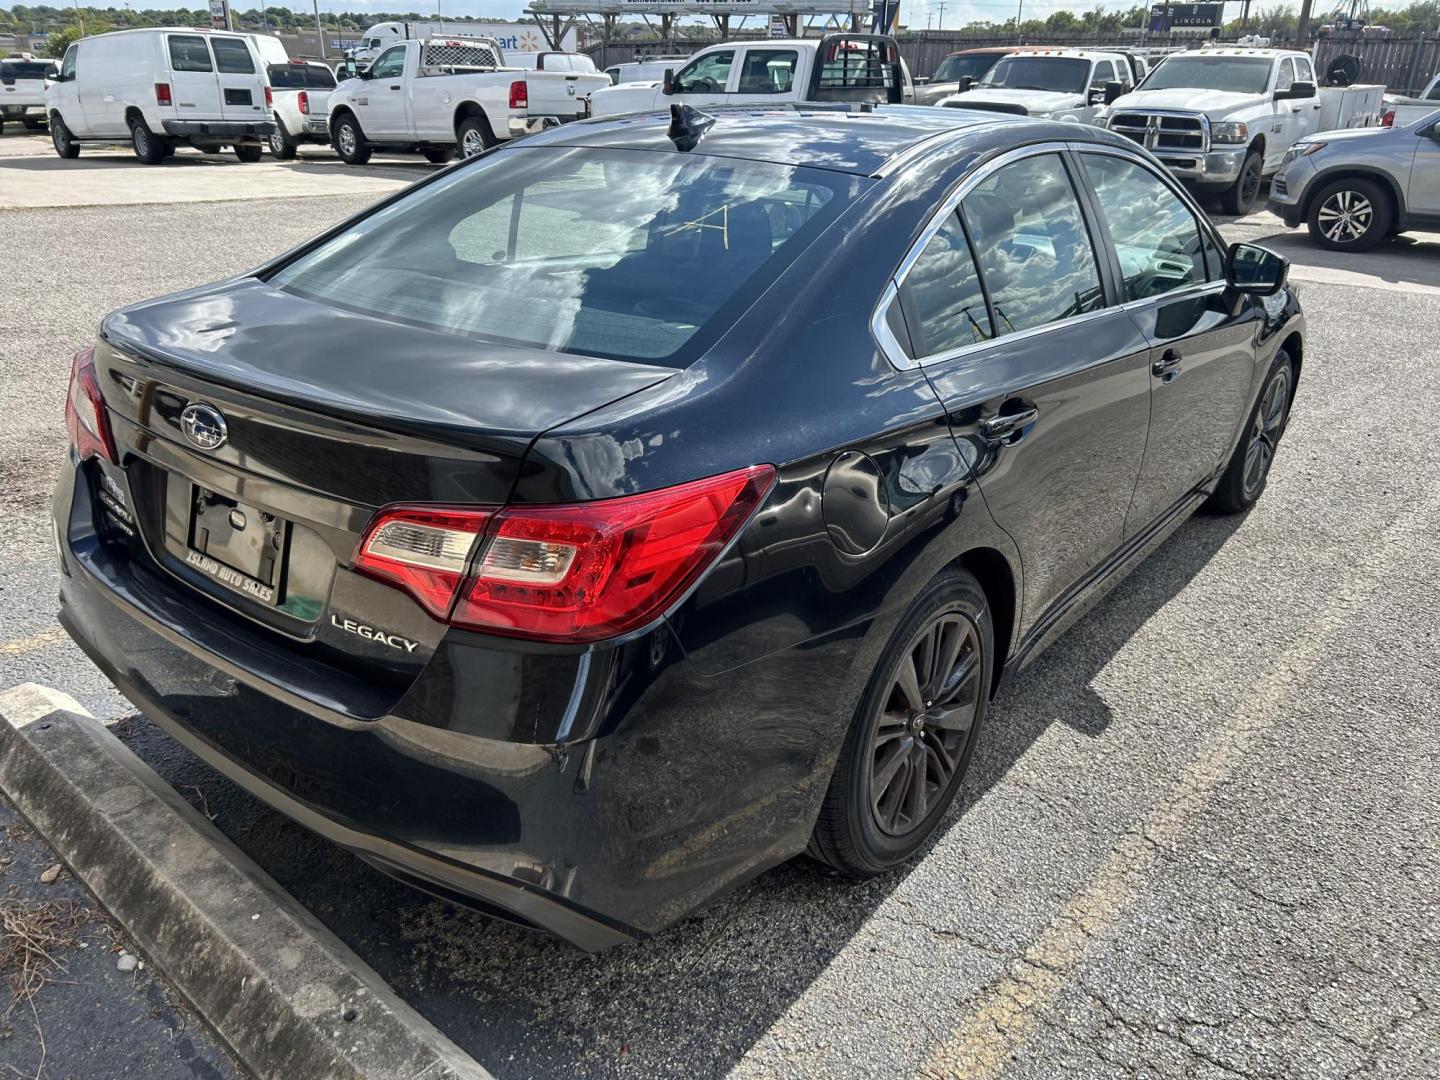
[
  {"x": 232, "y": 56},
  {"x": 189, "y": 54},
  {"x": 10, "y": 70},
  {"x": 458, "y": 54},
  {"x": 300, "y": 77},
  {"x": 631, "y": 255}
]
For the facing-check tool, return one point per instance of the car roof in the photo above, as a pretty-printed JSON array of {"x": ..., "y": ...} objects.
[
  {"x": 844, "y": 138},
  {"x": 1267, "y": 53},
  {"x": 988, "y": 50}
]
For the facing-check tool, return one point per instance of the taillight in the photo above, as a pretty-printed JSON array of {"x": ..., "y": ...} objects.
[
  {"x": 269, "y": 97},
  {"x": 162, "y": 93},
  {"x": 519, "y": 95},
  {"x": 303, "y": 102},
  {"x": 85, "y": 411},
  {"x": 1388, "y": 120},
  {"x": 423, "y": 550},
  {"x": 580, "y": 572}
]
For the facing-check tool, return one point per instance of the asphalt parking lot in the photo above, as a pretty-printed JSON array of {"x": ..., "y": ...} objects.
[{"x": 1201, "y": 835}]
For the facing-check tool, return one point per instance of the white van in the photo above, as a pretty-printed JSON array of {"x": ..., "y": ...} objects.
[{"x": 159, "y": 89}]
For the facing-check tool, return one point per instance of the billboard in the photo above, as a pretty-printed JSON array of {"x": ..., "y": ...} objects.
[
  {"x": 1167, "y": 17},
  {"x": 701, "y": 7}
]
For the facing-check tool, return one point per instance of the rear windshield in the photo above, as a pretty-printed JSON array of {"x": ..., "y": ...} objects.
[
  {"x": 10, "y": 70},
  {"x": 232, "y": 56},
  {"x": 633, "y": 255},
  {"x": 300, "y": 77}
]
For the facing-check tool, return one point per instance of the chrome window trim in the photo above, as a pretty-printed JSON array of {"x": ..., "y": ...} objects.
[{"x": 898, "y": 357}]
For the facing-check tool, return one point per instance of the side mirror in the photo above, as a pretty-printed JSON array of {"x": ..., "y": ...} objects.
[
  {"x": 1096, "y": 96},
  {"x": 668, "y": 85},
  {"x": 1254, "y": 270},
  {"x": 965, "y": 82},
  {"x": 1113, "y": 92},
  {"x": 1297, "y": 90}
]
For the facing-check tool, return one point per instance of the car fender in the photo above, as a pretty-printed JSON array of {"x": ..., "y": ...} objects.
[{"x": 1370, "y": 172}]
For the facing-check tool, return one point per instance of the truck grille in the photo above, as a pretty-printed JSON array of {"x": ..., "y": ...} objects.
[{"x": 1164, "y": 131}]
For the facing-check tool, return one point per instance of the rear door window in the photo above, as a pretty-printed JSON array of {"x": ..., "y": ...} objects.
[
  {"x": 1034, "y": 249},
  {"x": 232, "y": 56},
  {"x": 189, "y": 53},
  {"x": 768, "y": 71},
  {"x": 943, "y": 303}
]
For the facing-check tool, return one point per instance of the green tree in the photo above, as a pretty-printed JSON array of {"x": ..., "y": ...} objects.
[{"x": 60, "y": 40}]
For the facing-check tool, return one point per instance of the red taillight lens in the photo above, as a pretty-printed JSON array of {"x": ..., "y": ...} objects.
[
  {"x": 582, "y": 572},
  {"x": 302, "y": 101},
  {"x": 1388, "y": 120},
  {"x": 162, "y": 93},
  {"x": 519, "y": 95},
  {"x": 85, "y": 411},
  {"x": 422, "y": 550},
  {"x": 597, "y": 570},
  {"x": 269, "y": 97}
]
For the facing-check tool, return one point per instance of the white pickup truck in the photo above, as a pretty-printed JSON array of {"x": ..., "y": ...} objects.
[
  {"x": 1053, "y": 84},
  {"x": 434, "y": 95},
  {"x": 836, "y": 67},
  {"x": 1401, "y": 111},
  {"x": 22, "y": 89},
  {"x": 1222, "y": 118},
  {"x": 300, "y": 98}
]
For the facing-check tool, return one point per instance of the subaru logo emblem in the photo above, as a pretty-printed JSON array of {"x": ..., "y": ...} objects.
[{"x": 203, "y": 426}]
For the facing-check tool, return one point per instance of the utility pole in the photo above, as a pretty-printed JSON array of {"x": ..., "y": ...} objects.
[
  {"x": 1019, "y": 15},
  {"x": 319, "y": 30},
  {"x": 1302, "y": 26},
  {"x": 942, "y": 16}
]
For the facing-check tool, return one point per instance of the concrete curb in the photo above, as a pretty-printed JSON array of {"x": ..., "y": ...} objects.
[{"x": 286, "y": 996}]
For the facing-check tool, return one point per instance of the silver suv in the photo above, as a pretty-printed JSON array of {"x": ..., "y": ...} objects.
[{"x": 1354, "y": 188}]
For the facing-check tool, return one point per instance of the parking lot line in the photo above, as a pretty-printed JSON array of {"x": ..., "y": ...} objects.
[
  {"x": 21, "y": 646},
  {"x": 1006, "y": 1014}
]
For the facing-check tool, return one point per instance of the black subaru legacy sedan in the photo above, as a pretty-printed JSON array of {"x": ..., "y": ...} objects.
[{"x": 624, "y": 511}]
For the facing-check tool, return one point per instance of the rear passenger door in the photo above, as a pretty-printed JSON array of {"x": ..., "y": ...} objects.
[
  {"x": 1202, "y": 357},
  {"x": 193, "y": 87},
  {"x": 1007, "y": 308},
  {"x": 240, "y": 78}
]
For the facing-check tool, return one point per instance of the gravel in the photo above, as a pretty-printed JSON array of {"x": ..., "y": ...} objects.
[{"x": 1200, "y": 833}]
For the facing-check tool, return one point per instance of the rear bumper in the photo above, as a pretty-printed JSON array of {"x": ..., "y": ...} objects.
[
  {"x": 675, "y": 787},
  {"x": 530, "y": 125},
  {"x": 12, "y": 111},
  {"x": 219, "y": 129},
  {"x": 317, "y": 128}
]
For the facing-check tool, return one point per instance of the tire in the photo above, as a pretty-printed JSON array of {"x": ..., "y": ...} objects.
[
  {"x": 282, "y": 146},
  {"x": 1349, "y": 215},
  {"x": 248, "y": 152},
  {"x": 473, "y": 136},
  {"x": 891, "y": 744},
  {"x": 64, "y": 142},
  {"x": 349, "y": 141},
  {"x": 1244, "y": 479},
  {"x": 439, "y": 155},
  {"x": 1240, "y": 197},
  {"x": 148, "y": 148}
]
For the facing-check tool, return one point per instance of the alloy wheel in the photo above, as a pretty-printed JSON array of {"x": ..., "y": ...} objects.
[
  {"x": 60, "y": 134},
  {"x": 1250, "y": 186},
  {"x": 277, "y": 143},
  {"x": 1266, "y": 429},
  {"x": 1345, "y": 217},
  {"x": 472, "y": 143},
  {"x": 926, "y": 722},
  {"x": 345, "y": 139}
]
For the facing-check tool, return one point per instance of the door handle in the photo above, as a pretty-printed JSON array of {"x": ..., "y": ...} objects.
[
  {"x": 1167, "y": 367},
  {"x": 1294, "y": 108},
  {"x": 395, "y": 86},
  {"x": 1009, "y": 428}
]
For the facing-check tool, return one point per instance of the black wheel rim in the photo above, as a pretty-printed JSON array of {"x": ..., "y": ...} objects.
[
  {"x": 1250, "y": 186},
  {"x": 925, "y": 724},
  {"x": 1265, "y": 431}
]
